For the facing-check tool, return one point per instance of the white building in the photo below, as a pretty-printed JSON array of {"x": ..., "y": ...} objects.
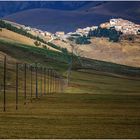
[
  {"x": 60, "y": 34},
  {"x": 27, "y": 28},
  {"x": 47, "y": 33}
]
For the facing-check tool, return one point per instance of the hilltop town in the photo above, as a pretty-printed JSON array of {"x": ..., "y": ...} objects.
[{"x": 124, "y": 26}]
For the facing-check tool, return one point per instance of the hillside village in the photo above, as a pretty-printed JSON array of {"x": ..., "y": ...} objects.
[
  {"x": 124, "y": 26},
  {"x": 124, "y": 51}
]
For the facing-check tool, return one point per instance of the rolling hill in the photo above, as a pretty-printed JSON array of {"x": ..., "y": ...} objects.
[
  {"x": 87, "y": 14},
  {"x": 100, "y": 55},
  {"x": 102, "y": 98},
  {"x": 9, "y": 7}
]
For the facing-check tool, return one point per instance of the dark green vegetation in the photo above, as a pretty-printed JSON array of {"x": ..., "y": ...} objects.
[
  {"x": 60, "y": 60},
  {"x": 31, "y": 54},
  {"x": 109, "y": 67},
  {"x": 111, "y": 33},
  {"x": 22, "y": 31},
  {"x": 64, "y": 50},
  {"x": 80, "y": 39}
]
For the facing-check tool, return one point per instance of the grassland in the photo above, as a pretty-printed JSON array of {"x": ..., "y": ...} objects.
[
  {"x": 14, "y": 37},
  {"x": 95, "y": 105},
  {"x": 123, "y": 52}
]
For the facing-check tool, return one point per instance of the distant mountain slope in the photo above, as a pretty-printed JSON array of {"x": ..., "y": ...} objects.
[
  {"x": 10, "y": 7},
  {"x": 56, "y": 20},
  {"x": 125, "y": 9},
  {"x": 83, "y": 15}
]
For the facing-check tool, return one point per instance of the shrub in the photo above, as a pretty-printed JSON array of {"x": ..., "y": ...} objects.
[
  {"x": 82, "y": 40},
  {"x": 111, "y": 33},
  {"x": 37, "y": 43},
  {"x": 44, "y": 46}
]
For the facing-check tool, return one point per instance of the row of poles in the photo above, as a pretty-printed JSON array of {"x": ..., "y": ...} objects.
[{"x": 51, "y": 80}]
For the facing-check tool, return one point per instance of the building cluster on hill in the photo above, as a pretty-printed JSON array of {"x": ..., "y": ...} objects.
[
  {"x": 36, "y": 31},
  {"x": 40, "y": 33},
  {"x": 86, "y": 30},
  {"x": 125, "y": 26},
  {"x": 120, "y": 25}
]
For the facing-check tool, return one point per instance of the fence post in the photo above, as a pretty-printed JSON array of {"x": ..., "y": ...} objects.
[
  {"x": 54, "y": 81},
  {"x": 44, "y": 81},
  {"x": 36, "y": 81},
  {"x": 48, "y": 81},
  {"x": 41, "y": 72},
  {"x": 62, "y": 85},
  {"x": 25, "y": 72},
  {"x": 16, "y": 86},
  {"x": 4, "y": 86},
  {"x": 56, "y": 84},
  {"x": 31, "y": 82},
  {"x": 59, "y": 84}
]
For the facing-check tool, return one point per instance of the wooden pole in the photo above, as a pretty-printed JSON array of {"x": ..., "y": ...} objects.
[
  {"x": 54, "y": 82},
  {"x": 36, "y": 81},
  {"x": 31, "y": 82},
  {"x": 41, "y": 82},
  {"x": 16, "y": 86},
  {"x": 25, "y": 73},
  {"x": 48, "y": 81},
  {"x": 44, "y": 81},
  {"x": 4, "y": 86}
]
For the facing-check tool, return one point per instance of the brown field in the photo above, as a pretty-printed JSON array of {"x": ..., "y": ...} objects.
[
  {"x": 124, "y": 52},
  {"x": 15, "y": 37}
]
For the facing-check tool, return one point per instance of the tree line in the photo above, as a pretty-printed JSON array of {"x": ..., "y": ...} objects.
[
  {"x": 64, "y": 56},
  {"x": 110, "y": 33}
]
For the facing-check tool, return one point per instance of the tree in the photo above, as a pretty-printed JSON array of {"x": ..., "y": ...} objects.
[
  {"x": 37, "y": 43},
  {"x": 44, "y": 46},
  {"x": 82, "y": 40},
  {"x": 111, "y": 33}
]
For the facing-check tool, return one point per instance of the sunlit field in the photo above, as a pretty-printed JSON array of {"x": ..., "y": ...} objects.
[{"x": 94, "y": 106}]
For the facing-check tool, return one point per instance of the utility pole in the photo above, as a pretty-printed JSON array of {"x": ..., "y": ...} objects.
[
  {"x": 36, "y": 81},
  {"x": 4, "y": 85},
  {"x": 25, "y": 72},
  {"x": 16, "y": 86}
]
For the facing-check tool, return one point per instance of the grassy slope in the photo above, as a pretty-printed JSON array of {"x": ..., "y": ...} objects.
[
  {"x": 123, "y": 52},
  {"x": 31, "y": 54},
  {"x": 109, "y": 107},
  {"x": 11, "y": 36}
]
